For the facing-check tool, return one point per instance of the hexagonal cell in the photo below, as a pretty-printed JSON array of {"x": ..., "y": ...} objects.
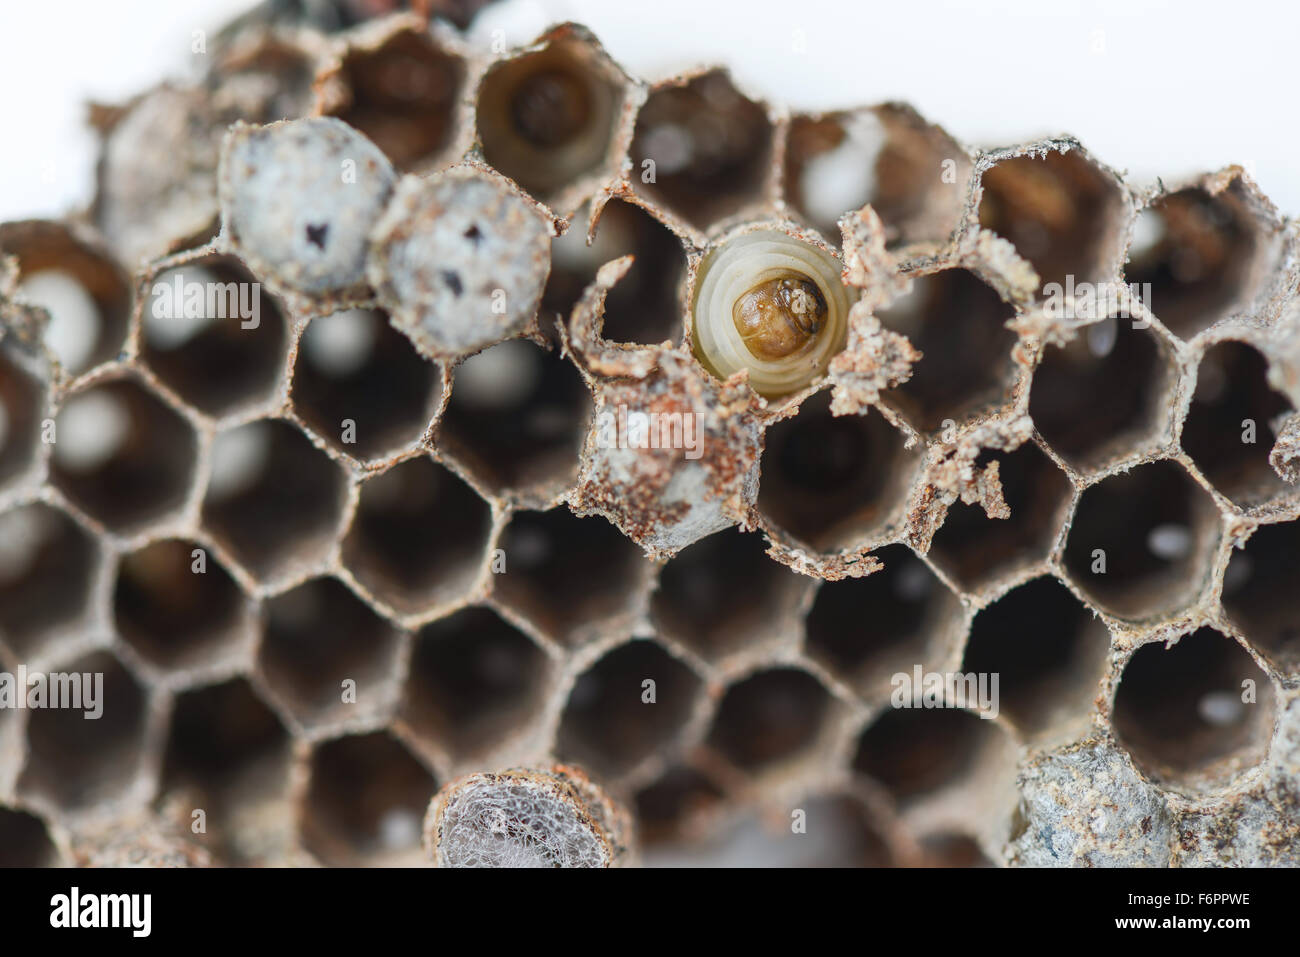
[
  {"x": 1227, "y": 431},
  {"x": 1259, "y": 590},
  {"x": 1198, "y": 253},
  {"x": 959, "y": 324},
  {"x": 834, "y": 480},
  {"x": 213, "y": 334},
  {"x": 614, "y": 720},
  {"x": 474, "y": 680},
  {"x": 973, "y": 548},
  {"x": 770, "y": 718},
  {"x": 1103, "y": 394},
  {"x": 710, "y": 146},
  {"x": 47, "y": 563},
  {"x": 156, "y": 172},
  {"x": 88, "y": 750},
  {"x": 354, "y": 369},
  {"x": 323, "y": 623},
  {"x": 267, "y": 73},
  {"x": 402, "y": 94},
  {"x": 644, "y": 307},
  {"x": 86, "y": 293},
  {"x": 24, "y": 840},
  {"x": 867, "y": 629},
  {"x": 1060, "y": 210},
  {"x": 1047, "y": 648},
  {"x": 1140, "y": 541},
  {"x": 272, "y": 498},
  {"x": 887, "y": 156},
  {"x": 548, "y": 118},
  {"x": 666, "y": 808},
  {"x": 226, "y": 751},
  {"x": 517, "y": 416},
  {"x": 365, "y": 802},
  {"x": 419, "y": 536},
  {"x": 724, "y": 593},
  {"x": 568, "y": 573},
  {"x": 122, "y": 454},
  {"x": 1196, "y": 714},
  {"x": 918, "y": 752},
  {"x": 176, "y": 606},
  {"x": 838, "y": 832},
  {"x": 22, "y": 406}
]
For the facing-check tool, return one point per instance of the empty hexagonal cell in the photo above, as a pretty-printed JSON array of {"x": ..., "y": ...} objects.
[
  {"x": 87, "y": 294},
  {"x": 419, "y": 535},
  {"x": 1198, "y": 253},
  {"x": 361, "y": 386},
  {"x": 887, "y": 156},
  {"x": 22, "y": 406},
  {"x": 1102, "y": 395},
  {"x": 629, "y": 705},
  {"x": 667, "y": 808},
  {"x": 1060, "y": 210},
  {"x": 326, "y": 654},
  {"x": 269, "y": 73},
  {"x": 365, "y": 803},
  {"x": 566, "y": 573},
  {"x": 959, "y": 324},
  {"x": 517, "y": 416},
  {"x": 867, "y": 629},
  {"x": 771, "y": 718},
  {"x": 47, "y": 563},
  {"x": 272, "y": 498},
  {"x": 974, "y": 548},
  {"x": 825, "y": 830},
  {"x": 1227, "y": 431},
  {"x": 24, "y": 840},
  {"x": 86, "y": 750},
  {"x": 122, "y": 454},
  {"x": 402, "y": 95},
  {"x": 834, "y": 480},
  {"x": 1259, "y": 590},
  {"x": 1048, "y": 651},
  {"x": 211, "y": 332},
  {"x": 1195, "y": 714},
  {"x": 702, "y": 149},
  {"x": 644, "y": 306},
  {"x": 917, "y": 752},
  {"x": 1139, "y": 541},
  {"x": 724, "y": 593},
  {"x": 474, "y": 680},
  {"x": 176, "y": 605},
  {"x": 226, "y": 750},
  {"x": 548, "y": 118}
]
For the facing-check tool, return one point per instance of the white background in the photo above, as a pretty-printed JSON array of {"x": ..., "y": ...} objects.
[{"x": 1153, "y": 87}]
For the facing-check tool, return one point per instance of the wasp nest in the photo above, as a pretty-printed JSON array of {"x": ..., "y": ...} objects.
[{"x": 403, "y": 411}]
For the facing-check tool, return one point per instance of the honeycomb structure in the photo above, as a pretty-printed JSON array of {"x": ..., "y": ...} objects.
[{"x": 332, "y": 561}]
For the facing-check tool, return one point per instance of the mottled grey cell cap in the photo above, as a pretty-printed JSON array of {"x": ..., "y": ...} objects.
[
  {"x": 460, "y": 260},
  {"x": 298, "y": 200}
]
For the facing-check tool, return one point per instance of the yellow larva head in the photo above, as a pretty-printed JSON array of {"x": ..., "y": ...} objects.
[{"x": 773, "y": 304}]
